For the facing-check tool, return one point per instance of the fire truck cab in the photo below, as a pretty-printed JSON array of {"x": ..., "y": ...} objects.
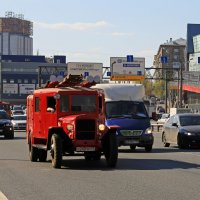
[{"x": 66, "y": 120}]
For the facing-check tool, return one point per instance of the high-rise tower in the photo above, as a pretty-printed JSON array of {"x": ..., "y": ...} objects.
[{"x": 15, "y": 35}]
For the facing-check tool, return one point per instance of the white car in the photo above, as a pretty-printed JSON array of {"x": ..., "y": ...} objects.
[
  {"x": 19, "y": 121},
  {"x": 164, "y": 118}
]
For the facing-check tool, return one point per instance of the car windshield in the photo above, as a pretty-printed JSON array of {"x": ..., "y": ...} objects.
[
  {"x": 19, "y": 118},
  {"x": 189, "y": 120},
  {"x": 125, "y": 109},
  {"x": 165, "y": 116},
  {"x": 83, "y": 103}
]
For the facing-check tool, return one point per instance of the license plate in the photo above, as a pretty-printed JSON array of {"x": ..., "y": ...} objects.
[
  {"x": 85, "y": 148},
  {"x": 131, "y": 141}
]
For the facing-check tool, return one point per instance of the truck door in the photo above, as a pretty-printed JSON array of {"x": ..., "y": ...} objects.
[
  {"x": 37, "y": 117},
  {"x": 50, "y": 118}
]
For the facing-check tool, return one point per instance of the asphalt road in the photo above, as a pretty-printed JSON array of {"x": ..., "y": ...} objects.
[{"x": 163, "y": 174}]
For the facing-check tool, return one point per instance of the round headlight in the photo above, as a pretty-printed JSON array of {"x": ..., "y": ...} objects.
[
  {"x": 148, "y": 131},
  {"x": 102, "y": 127},
  {"x": 70, "y": 127}
]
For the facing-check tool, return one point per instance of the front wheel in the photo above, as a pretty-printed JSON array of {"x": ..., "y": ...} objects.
[
  {"x": 164, "y": 140},
  {"x": 181, "y": 144},
  {"x": 10, "y": 136},
  {"x": 111, "y": 150},
  {"x": 148, "y": 148},
  {"x": 42, "y": 155},
  {"x": 33, "y": 153},
  {"x": 132, "y": 147},
  {"x": 56, "y": 151}
]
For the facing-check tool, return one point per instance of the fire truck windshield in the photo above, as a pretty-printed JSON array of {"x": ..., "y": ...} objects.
[{"x": 83, "y": 103}]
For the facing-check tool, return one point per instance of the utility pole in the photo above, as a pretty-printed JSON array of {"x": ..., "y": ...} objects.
[
  {"x": 181, "y": 85},
  {"x": 164, "y": 60}
]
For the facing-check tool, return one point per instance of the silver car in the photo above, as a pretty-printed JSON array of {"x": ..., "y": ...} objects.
[{"x": 19, "y": 121}]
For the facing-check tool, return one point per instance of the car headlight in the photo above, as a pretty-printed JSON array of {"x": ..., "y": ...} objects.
[
  {"x": 70, "y": 127},
  {"x": 148, "y": 131},
  {"x": 188, "y": 133},
  {"x": 102, "y": 127},
  {"x": 14, "y": 123}
]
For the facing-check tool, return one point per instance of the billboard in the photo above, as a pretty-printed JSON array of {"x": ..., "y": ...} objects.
[
  {"x": 90, "y": 71},
  {"x": 124, "y": 69},
  {"x": 9, "y": 88},
  {"x": 26, "y": 88}
]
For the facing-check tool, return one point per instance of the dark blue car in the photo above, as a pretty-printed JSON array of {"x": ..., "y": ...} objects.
[
  {"x": 6, "y": 127},
  {"x": 182, "y": 130}
]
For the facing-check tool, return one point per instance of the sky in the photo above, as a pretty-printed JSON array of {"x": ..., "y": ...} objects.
[{"x": 94, "y": 31}]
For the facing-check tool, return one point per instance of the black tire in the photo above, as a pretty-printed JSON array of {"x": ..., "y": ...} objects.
[
  {"x": 42, "y": 155},
  {"x": 111, "y": 150},
  {"x": 180, "y": 143},
  {"x": 33, "y": 153},
  {"x": 148, "y": 148},
  {"x": 10, "y": 136},
  {"x": 56, "y": 151},
  {"x": 132, "y": 147},
  {"x": 166, "y": 144}
]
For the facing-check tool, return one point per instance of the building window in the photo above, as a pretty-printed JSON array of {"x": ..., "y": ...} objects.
[
  {"x": 4, "y": 81},
  {"x": 25, "y": 80},
  {"x": 176, "y": 50},
  {"x": 33, "y": 81},
  {"x": 12, "y": 81},
  {"x": 19, "y": 80},
  {"x": 176, "y": 57}
]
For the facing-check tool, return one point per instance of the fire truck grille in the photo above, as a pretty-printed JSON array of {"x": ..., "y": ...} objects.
[{"x": 85, "y": 129}]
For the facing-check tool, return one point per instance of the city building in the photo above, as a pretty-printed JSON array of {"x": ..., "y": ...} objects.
[
  {"x": 20, "y": 75},
  {"x": 170, "y": 62},
  {"x": 15, "y": 35},
  {"x": 20, "y": 70}
]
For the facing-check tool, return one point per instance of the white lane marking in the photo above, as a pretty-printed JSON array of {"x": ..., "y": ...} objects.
[{"x": 2, "y": 196}]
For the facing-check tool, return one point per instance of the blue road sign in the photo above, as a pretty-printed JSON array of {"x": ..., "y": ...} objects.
[
  {"x": 129, "y": 58},
  {"x": 164, "y": 59},
  {"x": 86, "y": 74},
  {"x": 61, "y": 73},
  {"x": 198, "y": 60},
  {"x": 139, "y": 73},
  {"x": 108, "y": 73}
]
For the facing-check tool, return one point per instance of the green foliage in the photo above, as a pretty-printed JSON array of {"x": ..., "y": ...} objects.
[
  {"x": 159, "y": 88},
  {"x": 148, "y": 84}
]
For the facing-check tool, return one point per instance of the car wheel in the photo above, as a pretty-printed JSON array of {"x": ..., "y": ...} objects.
[
  {"x": 111, "y": 150},
  {"x": 42, "y": 155},
  {"x": 164, "y": 140},
  {"x": 56, "y": 151},
  {"x": 33, "y": 153},
  {"x": 181, "y": 144},
  {"x": 10, "y": 136},
  {"x": 132, "y": 147},
  {"x": 148, "y": 148}
]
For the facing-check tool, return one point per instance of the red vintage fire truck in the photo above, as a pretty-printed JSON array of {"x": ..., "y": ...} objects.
[{"x": 66, "y": 118}]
